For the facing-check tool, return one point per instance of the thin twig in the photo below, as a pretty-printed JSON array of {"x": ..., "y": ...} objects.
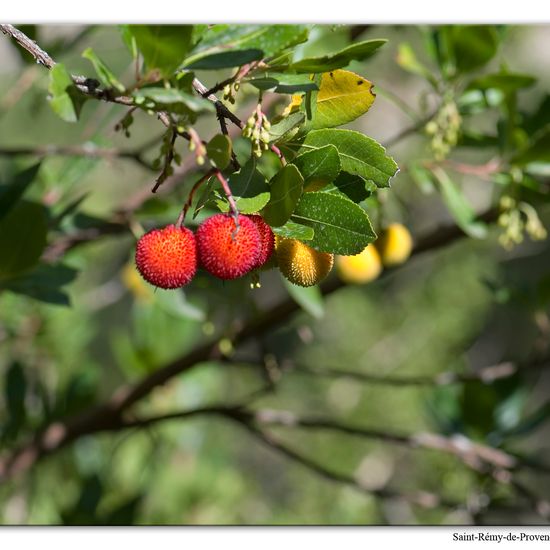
[
  {"x": 221, "y": 109},
  {"x": 406, "y": 132},
  {"x": 486, "y": 375},
  {"x": 189, "y": 201},
  {"x": 168, "y": 158},
  {"x": 229, "y": 196},
  {"x": 279, "y": 153}
]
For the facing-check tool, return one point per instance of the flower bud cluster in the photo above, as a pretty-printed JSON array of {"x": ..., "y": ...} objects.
[
  {"x": 444, "y": 129},
  {"x": 257, "y": 131},
  {"x": 517, "y": 218}
]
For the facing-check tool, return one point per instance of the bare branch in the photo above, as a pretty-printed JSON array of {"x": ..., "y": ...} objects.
[
  {"x": 221, "y": 110},
  {"x": 485, "y": 375},
  {"x": 423, "y": 498},
  {"x": 246, "y": 419}
]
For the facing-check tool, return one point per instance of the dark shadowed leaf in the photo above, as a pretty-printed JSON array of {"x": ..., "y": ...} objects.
[
  {"x": 225, "y": 60},
  {"x": 22, "y": 238},
  {"x": 537, "y": 150},
  {"x": 353, "y": 187},
  {"x": 219, "y": 151},
  {"x": 12, "y": 191},
  {"x": 286, "y": 188},
  {"x": 472, "y": 46},
  {"x": 356, "y": 52},
  {"x": 283, "y": 83},
  {"x": 45, "y": 284},
  {"x": 14, "y": 397}
]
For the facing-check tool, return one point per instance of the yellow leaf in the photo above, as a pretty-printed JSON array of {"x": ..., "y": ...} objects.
[
  {"x": 293, "y": 106},
  {"x": 343, "y": 96}
]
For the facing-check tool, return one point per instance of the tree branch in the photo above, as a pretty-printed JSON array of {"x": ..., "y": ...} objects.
[
  {"x": 485, "y": 375},
  {"x": 248, "y": 420}
]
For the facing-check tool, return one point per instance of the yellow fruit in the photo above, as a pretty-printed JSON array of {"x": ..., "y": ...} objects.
[
  {"x": 135, "y": 284},
  {"x": 300, "y": 264},
  {"x": 394, "y": 245},
  {"x": 361, "y": 268}
]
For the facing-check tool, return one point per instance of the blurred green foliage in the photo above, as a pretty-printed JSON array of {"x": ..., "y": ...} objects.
[{"x": 75, "y": 329}]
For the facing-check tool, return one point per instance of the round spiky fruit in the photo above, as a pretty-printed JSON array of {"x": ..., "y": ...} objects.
[
  {"x": 301, "y": 264},
  {"x": 394, "y": 245},
  {"x": 361, "y": 268},
  {"x": 226, "y": 251},
  {"x": 267, "y": 240},
  {"x": 167, "y": 257}
]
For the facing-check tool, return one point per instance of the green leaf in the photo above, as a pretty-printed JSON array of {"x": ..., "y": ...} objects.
[
  {"x": 129, "y": 40},
  {"x": 505, "y": 82},
  {"x": 44, "y": 283},
  {"x": 163, "y": 47},
  {"x": 225, "y": 60},
  {"x": 249, "y": 188},
  {"x": 286, "y": 188},
  {"x": 320, "y": 166},
  {"x": 356, "y": 52},
  {"x": 170, "y": 96},
  {"x": 292, "y": 230},
  {"x": 219, "y": 151},
  {"x": 472, "y": 46},
  {"x": 422, "y": 177},
  {"x": 271, "y": 39},
  {"x": 286, "y": 128},
  {"x": 175, "y": 304},
  {"x": 10, "y": 193},
  {"x": 406, "y": 58},
  {"x": 343, "y": 97},
  {"x": 310, "y": 299},
  {"x": 341, "y": 227},
  {"x": 283, "y": 83},
  {"x": 198, "y": 33},
  {"x": 22, "y": 238},
  {"x": 459, "y": 207},
  {"x": 107, "y": 78},
  {"x": 66, "y": 100},
  {"x": 359, "y": 154},
  {"x": 539, "y": 118},
  {"x": 537, "y": 150},
  {"x": 353, "y": 187}
]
